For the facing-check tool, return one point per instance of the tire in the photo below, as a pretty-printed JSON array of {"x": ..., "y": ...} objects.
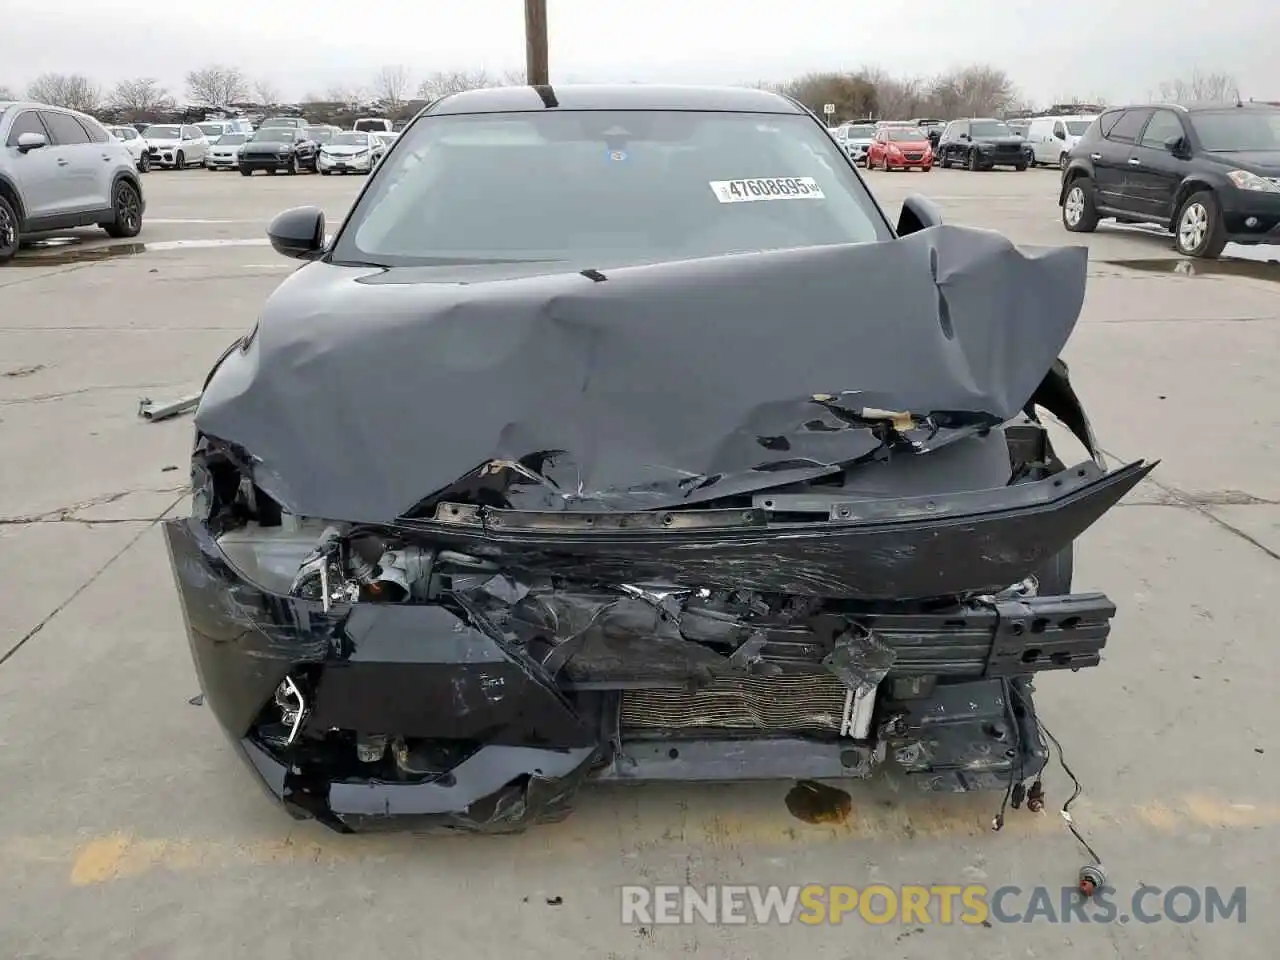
[
  {"x": 272, "y": 171},
  {"x": 1198, "y": 230},
  {"x": 294, "y": 168},
  {"x": 180, "y": 161},
  {"x": 1062, "y": 161},
  {"x": 10, "y": 231},
  {"x": 1020, "y": 167},
  {"x": 246, "y": 172},
  {"x": 971, "y": 161},
  {"x": 325, "y": 173},
  {"x": 126, "y": 204},
  {"x": 144, "y": 165},
  {"x": 945, "y": 160},
  {"x": 1079, "y": 215}
]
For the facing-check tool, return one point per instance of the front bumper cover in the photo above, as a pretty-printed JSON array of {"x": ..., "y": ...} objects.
[{"x": 954, "y": 713}]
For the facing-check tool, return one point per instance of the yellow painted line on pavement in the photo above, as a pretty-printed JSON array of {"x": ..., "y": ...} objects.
[{"x": 602, "y": 830}]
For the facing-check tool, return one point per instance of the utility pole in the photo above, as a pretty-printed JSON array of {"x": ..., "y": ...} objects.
[{"x": 535, "y": 42}]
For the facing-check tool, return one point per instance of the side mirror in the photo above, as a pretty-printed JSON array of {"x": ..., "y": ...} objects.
[
  {"x": 298, "y": 233},
  {"x": 964, "y": 136},
  {"x": 31, "y": 141},
  {"x": 1177, "y": 146},
  {"x": 918, "y": 213},
  {"x": 1059, "y": 135}
]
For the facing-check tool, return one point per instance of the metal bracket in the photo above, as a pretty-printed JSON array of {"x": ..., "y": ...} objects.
[{"x": 151, "y": 411}]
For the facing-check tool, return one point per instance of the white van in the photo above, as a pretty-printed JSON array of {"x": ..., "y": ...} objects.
[{"x": 1051, "y": 138}]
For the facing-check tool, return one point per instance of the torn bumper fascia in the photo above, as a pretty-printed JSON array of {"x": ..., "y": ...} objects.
[{"x": 420, "y": 670}]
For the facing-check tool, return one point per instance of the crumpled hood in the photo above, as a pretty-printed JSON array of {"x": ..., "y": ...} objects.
[{"x": 365, "y": 391}]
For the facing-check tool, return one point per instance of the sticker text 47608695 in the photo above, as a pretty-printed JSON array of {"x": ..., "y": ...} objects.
[{"x": 766, "y": 188}]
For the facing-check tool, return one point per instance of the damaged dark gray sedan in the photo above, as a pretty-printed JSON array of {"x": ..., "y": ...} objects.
[{"x": 587, "y": 450}]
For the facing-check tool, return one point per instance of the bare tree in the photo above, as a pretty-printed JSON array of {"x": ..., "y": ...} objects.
[
  {"x": 6, "y": 93},
  {"x": 391, "y": 85},
  {"x": 70, "y": 90},
  {"x": 1212, "y": 87},
  {"x": 139, "y": 96},
  {"x": 267, "y": 93},
  {"x": 852, "y": 94},
  {"x": 444, "y": 82},
  {"x": 349, "y": 96},
  {"x": 217, "y": 85}
]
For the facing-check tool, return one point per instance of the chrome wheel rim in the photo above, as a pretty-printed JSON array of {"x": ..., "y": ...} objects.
[
  {"x": 1073, "y": 208},
  {"x": 128, "y": 214},
  {"x": 1193, "y": 226}
]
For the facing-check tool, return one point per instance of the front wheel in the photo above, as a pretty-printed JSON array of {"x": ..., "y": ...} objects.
[
  {"x": 246, "y": 172},
  {"x": 144, "y": 162},
  {"x": 1062, "y": 161},
  {"x": 10, "y": 234},
  {"x": 293, "y": 167},
  {"x": 945, "y": 160},
  {"x": 971, "y": 162},
  {"x": 1020, "y": 167},
  {"x": 1079, "y": 215},
  {"x": 1199, "y": 231},
  {"x": 126, "y": 206},
  {"x": 180, "y": 162}
]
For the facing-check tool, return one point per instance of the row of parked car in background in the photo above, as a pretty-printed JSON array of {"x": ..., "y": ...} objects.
[
  {"x": 278, "y": 145},
  {"x": 975, "y": 143}
]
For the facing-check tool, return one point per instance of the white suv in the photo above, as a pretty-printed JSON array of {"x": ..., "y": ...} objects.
[
  {"x": 137, "y": 146},
  {"x": 61, "y": 169}
]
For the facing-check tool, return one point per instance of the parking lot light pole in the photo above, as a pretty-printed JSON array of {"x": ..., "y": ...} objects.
[{"x": 535, "y": 42}]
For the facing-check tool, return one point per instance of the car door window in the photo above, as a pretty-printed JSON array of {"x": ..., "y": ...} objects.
[
  {"x": 28, "y": 122},
  {"x": 1128, "y": 127},
  {"x": 95, "y": 131},
  {"x": 64, "y": 129},
  {"x": 1059, "y": 130},
  {"x": 1163, "y": 125}
]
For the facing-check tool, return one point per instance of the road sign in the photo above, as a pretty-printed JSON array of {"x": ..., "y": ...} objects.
[{"x": 828, "y": 108}]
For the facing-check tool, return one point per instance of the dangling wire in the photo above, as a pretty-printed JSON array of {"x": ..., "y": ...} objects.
[{"x": 1066, "y": 807}]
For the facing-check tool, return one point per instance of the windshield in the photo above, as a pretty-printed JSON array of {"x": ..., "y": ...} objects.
[
  {"x": 231, "y": 139},
  {"x": 370, "y": 125},
  {"x": 155, "y": 132},
  {"x": 1229, "y": 131},
  {"x": 862, "y": 133},
  {"x": 351, "y": 140},
  {"x": 319, "y": 134},
  {"x": 907, "y": 134},
  {"x": 280, "y": 122},
  {"x": 989, "y": 128},
  {"x": 274, "y": 135},
  {"x": 1077, "y": 127},
  {"x": 122, "y": 133},
  {"x": 602, "y": 188},
  {"x": 211, "y": 129}
]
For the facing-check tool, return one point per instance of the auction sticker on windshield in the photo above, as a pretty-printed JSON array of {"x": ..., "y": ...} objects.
[{"x": 767, "y": 188}]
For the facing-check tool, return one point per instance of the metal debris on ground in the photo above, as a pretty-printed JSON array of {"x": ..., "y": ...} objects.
[{"x": 148, "y": 409}]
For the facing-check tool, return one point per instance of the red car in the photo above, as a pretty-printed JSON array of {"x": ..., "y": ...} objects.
[{"x": 900, "y": 148}]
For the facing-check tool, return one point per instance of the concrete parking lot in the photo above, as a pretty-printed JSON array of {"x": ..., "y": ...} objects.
[{"x": 129, "y": 829}]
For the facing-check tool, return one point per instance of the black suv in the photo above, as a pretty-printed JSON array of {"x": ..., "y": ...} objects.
[
  {"x": 981, "y": 143},
  {"x": 1209, "y": 174}
]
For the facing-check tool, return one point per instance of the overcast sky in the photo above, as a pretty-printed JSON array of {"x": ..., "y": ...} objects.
[{"x": 1119, "y": 49}]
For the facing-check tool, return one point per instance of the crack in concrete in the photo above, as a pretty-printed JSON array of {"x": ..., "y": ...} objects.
[
  {"x": 1200, "y": 503},
  {"x": 68, "y": 514},
  {"x": 89, "y": 581},
  {"x": 104, "y": 388}
]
